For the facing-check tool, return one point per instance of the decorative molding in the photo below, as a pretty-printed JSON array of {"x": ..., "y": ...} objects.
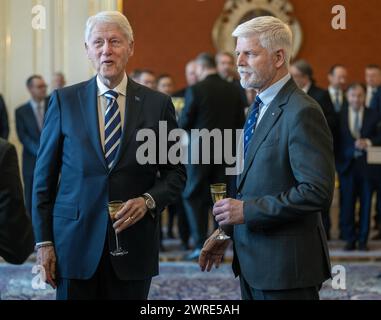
[{"x": 236, "y": 12}]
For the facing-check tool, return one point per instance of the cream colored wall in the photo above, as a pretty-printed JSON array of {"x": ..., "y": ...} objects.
[{"x": 60, "y": 47}]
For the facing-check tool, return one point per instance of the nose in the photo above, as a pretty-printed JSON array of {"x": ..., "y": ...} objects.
[
  {"x": 240, "y": 60},
  {"x": 106, "y": 49}
]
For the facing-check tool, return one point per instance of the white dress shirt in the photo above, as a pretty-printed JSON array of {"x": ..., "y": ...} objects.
[
  {"x": 39, "y": 117},
  {"x": 268, "y": 95}
]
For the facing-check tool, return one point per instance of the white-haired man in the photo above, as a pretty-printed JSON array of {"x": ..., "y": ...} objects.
[
  {"x": 87, "y": 159},
  {"x": 287, "y": 180}
]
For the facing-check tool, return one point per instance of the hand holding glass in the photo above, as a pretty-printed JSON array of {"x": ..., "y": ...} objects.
[
  {"x": 113, "y": 208},
  {"x": 218, "y": 192}
]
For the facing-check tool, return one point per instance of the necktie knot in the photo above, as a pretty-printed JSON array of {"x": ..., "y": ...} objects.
[
  {"x": 111, "y": 95},
  {"x": 258, "y": 101}
]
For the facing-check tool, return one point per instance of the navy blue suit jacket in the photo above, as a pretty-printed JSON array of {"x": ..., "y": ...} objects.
[
  {"x": 73, "y": 184},
  {"x": 345, "y": 142}
]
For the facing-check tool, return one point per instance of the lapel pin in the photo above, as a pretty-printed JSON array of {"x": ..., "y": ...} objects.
[{"x": 273, "y": 114}]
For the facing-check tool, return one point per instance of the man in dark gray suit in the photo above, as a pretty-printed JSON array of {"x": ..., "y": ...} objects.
[{"x": 288, "y": 177}]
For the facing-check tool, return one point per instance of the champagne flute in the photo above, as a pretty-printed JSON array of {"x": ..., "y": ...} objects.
[
  {"x": 113, "y": 208},
  {"x": 218, "y": 192}
]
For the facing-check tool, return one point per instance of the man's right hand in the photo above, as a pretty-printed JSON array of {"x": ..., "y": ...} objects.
[{"x": 46, "y": 257}]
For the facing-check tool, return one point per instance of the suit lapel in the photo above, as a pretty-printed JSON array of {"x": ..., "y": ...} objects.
[
  {"x": 133, "y": 108},
  {"x": 265, "y": 125},
  {"x": 89, "y": 102}
]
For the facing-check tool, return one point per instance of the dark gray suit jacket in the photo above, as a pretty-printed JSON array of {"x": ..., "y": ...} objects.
[{"x": 287, "y": 180}]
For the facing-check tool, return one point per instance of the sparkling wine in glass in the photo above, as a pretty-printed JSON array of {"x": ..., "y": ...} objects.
[
  {"x": 113, "y": 208},
  {"x": 218, "y": 192}
]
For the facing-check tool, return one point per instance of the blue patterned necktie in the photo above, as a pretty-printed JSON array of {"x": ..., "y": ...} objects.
[
  {"x": 113, "y": 127},
  {"x": 251, "y": 123}
]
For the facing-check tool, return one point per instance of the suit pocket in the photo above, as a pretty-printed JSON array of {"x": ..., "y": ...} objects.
[{"x": 65, "y": 211}]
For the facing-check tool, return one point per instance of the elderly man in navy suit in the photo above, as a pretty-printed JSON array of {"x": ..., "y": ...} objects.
[
  {"x": 88, "y": 157},
  {"x": 287, "y": 180}
]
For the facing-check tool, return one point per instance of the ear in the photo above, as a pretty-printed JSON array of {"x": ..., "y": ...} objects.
[
  {"x": 87, "y": 50},
  {"x": 131, "y": 47},
  {"x": 280, "y": 58}
]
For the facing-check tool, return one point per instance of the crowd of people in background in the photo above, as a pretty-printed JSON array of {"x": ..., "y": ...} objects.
[{"x": 214, "y": 98}]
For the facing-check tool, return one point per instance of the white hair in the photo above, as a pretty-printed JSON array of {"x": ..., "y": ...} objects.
[
  {"x": 273, "y": 34},
  {"x": 113, "y": 17}
]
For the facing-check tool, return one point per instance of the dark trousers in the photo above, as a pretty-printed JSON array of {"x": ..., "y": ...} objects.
[
  {"x": 104, "y": 285},
  {"x": 325, "y": 216},
  {"x": 182, "y": 223},
  {"x": 250, "y": 293},
  {"x": 355, "y": 184}
]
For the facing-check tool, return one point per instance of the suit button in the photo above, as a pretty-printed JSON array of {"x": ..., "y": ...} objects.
[{"x": 239, "y": 195}]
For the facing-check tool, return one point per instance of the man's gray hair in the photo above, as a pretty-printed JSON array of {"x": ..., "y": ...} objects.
[
  {"x": 114, "y": 17},
  {"x": 273, "y": 34}
]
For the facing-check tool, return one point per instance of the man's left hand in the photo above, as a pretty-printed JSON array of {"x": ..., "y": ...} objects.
[
  {"x": 132, "y": 211},
  {"x": 228, "y": 212}
]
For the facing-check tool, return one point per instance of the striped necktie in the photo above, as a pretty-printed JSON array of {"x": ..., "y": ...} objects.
[
  {"x": 251, "y": 123},
  {"x": 113, "y": 127}
]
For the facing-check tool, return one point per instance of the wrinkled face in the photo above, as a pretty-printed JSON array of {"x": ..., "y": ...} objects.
[
  {"x": 300, "y": 79},
  {"x": 148, "y": 80},
  {"x": 373, "y": 77},
  {"x": 190, "y": 74},
  {"x": 225, "y": 66},
  {"x": 356, "y": 98},
  {"x": 338, "y": 79},
  {"x": 38, "y": 89},
  {"x": 256, "y": 65},
  {"x": 109, "y": 50},
  {"x": 166, "y": 85}
]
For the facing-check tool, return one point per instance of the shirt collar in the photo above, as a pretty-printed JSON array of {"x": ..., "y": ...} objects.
[
  {"x": 333, "y": 90},
  {"x": 307, "y": 87},
  {"x": 121, "y": 88},
  {"x": 270, "y": 93},
  {"x": 35, "y": 104}
]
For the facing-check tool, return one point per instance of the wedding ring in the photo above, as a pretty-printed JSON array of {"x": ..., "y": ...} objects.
[{"x": 128, "y": 219}]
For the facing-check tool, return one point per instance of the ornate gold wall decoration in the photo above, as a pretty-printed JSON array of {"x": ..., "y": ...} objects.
[{"x": 236, "y": 12}]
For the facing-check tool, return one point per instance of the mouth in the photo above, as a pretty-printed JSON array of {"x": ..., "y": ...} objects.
[{"x": 108, "y": 62}]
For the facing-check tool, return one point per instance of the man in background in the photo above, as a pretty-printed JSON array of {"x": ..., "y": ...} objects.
[
  {"x": 212, "y": 103},
  {"x": 373, "y": 82},
  {"x": 29, "y": 124},
  {"x": 337, "y": 77},
  {"x": 58, "y": 81},
  {"x": 145, "y": 77},
  {"x": 190, "y": 77}
]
